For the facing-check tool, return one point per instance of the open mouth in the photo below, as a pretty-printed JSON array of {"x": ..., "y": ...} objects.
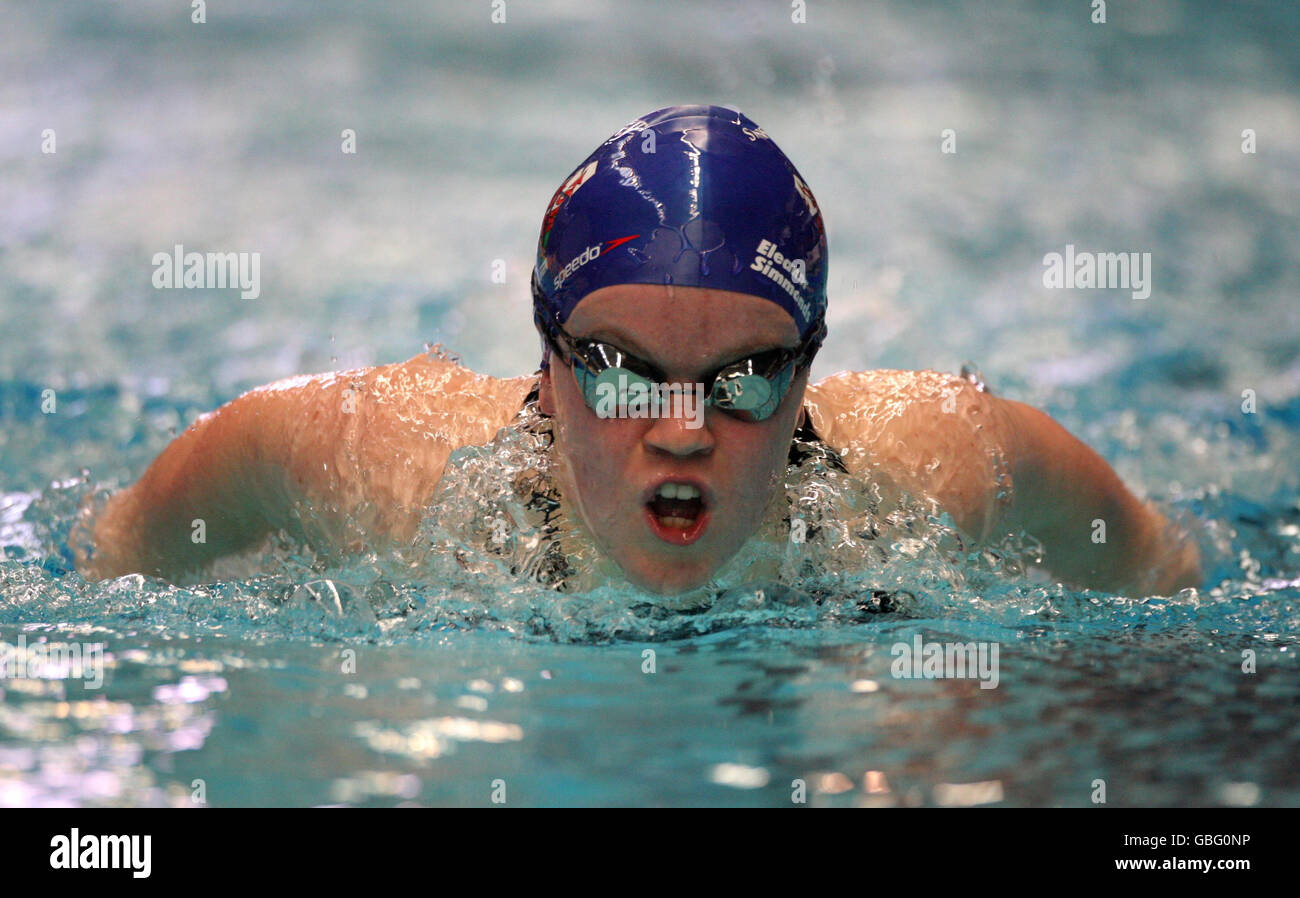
[{"x": 677, "y": 512}]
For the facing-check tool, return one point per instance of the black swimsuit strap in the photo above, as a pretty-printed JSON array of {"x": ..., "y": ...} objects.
[
  {"x": 808, "y": 444},
  {"x": 533, "y": 395}
]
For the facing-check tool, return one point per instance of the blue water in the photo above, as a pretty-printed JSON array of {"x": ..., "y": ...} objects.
[{"x": 283, "y": 688}]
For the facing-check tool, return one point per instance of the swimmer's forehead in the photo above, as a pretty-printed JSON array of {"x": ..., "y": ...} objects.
[{"x": 734, "y": 349}]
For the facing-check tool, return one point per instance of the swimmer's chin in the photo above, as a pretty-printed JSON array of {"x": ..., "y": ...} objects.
[
  {"x": 672, "y": 590},
  {"x": 740, "y": 569},
  {"x": 654, "y": 580}
]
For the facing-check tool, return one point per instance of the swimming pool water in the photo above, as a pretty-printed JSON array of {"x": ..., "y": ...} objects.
[{"x": 352, "y": 686}]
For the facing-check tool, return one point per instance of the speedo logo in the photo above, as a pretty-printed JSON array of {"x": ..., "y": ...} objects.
[{"x": 595, "y": 251}]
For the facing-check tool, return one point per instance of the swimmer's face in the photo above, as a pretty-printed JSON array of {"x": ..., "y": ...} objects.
[{"x": 610, "y": 467}]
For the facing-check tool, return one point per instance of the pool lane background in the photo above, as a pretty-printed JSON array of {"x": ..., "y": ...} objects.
[{"x": 225, "y": 137}]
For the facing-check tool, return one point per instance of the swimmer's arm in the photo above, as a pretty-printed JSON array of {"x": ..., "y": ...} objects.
[
  {"x": 342, "y": 462},
  {"x": 202, "y": 498},
  {"x": 1062, "y": 488}
]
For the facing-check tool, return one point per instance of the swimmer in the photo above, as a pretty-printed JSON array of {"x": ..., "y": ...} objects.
[{"x": 686, "y": 250}]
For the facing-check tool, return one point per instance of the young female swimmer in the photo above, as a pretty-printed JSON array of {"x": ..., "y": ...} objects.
[{"x": 694, "y": 256}]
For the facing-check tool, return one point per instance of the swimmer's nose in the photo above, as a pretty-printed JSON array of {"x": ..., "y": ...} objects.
[{"x": 682, "y": 435}]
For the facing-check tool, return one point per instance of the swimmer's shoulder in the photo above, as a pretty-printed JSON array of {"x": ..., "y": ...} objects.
[
  {"x": 866, "y": 407},
  {"x": 376, "y": 414},
  {"x": 448, "y": 393},
  {"x": 926, "y": 431},
  {"x": 371, "y": 443}
]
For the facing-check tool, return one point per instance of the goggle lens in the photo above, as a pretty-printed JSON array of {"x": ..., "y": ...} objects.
[{"x": 738, "y": 389}]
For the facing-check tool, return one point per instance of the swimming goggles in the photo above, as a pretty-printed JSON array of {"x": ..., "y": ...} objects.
[{"x": 749, "y": 389}]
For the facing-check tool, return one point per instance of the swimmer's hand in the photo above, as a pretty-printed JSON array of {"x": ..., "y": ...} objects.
[{"x": 343, "y": 462}]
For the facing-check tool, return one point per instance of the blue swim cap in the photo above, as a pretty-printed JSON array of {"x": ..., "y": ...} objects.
[{"x": 695, "y": 196}]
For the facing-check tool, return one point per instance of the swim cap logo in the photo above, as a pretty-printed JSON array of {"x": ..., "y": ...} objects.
[
  {"x": 567, "y": 189},
  {"x": 591, "y": 253}
]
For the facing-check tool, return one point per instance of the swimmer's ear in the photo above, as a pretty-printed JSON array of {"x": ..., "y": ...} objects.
[{"x": 546, "y": 395}]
